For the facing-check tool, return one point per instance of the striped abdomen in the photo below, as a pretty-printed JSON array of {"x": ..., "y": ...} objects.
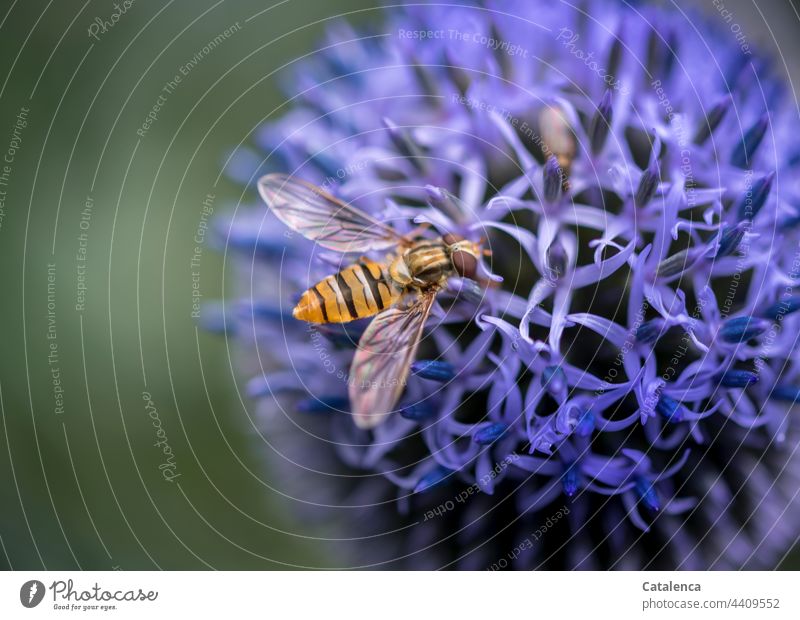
[{"x": 359, "y": 291}]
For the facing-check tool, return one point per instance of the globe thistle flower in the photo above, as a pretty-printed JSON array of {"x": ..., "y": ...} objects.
[{"x": 618, "y": 390}]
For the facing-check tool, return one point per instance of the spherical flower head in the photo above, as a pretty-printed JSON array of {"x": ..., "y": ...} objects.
[{"x": 616, "y": 387}]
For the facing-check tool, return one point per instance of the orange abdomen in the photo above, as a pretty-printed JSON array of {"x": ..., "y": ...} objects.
[{"x": 357, "y": 292}]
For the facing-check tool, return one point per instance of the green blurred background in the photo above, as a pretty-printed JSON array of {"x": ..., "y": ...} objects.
[
  {"x": 80, "y": 484},
  {"x": 82, "y": 488}
]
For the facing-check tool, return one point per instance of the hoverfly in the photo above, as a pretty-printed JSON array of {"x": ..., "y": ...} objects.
[
  {"x": 558, "y": 140},
  {"x": 418, "y": 269}
]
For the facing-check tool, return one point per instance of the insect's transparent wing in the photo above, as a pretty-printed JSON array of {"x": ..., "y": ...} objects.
[
  {"x": 380, "y": 367},
  {"x": 315, "y": 214}
]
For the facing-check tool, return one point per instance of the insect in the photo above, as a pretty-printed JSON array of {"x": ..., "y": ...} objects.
[
  {"x": 417, "y": 269},
  {"x": 559, "y": 139}
]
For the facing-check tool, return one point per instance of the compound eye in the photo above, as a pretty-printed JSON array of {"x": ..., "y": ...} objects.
[
  {"x": 451, "y": 239},
  {"x": 465, "y": 264}
]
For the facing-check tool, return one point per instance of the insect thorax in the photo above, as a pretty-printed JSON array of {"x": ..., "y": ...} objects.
[{"x": 426, "y": 262}]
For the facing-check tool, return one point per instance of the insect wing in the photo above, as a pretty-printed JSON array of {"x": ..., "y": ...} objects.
[
  {"x": 315, "y": 214},
  {"x": 380, "y": 367}
]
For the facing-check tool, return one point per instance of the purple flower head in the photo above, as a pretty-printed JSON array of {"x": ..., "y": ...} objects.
[{"x": 614, "y": 389}]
